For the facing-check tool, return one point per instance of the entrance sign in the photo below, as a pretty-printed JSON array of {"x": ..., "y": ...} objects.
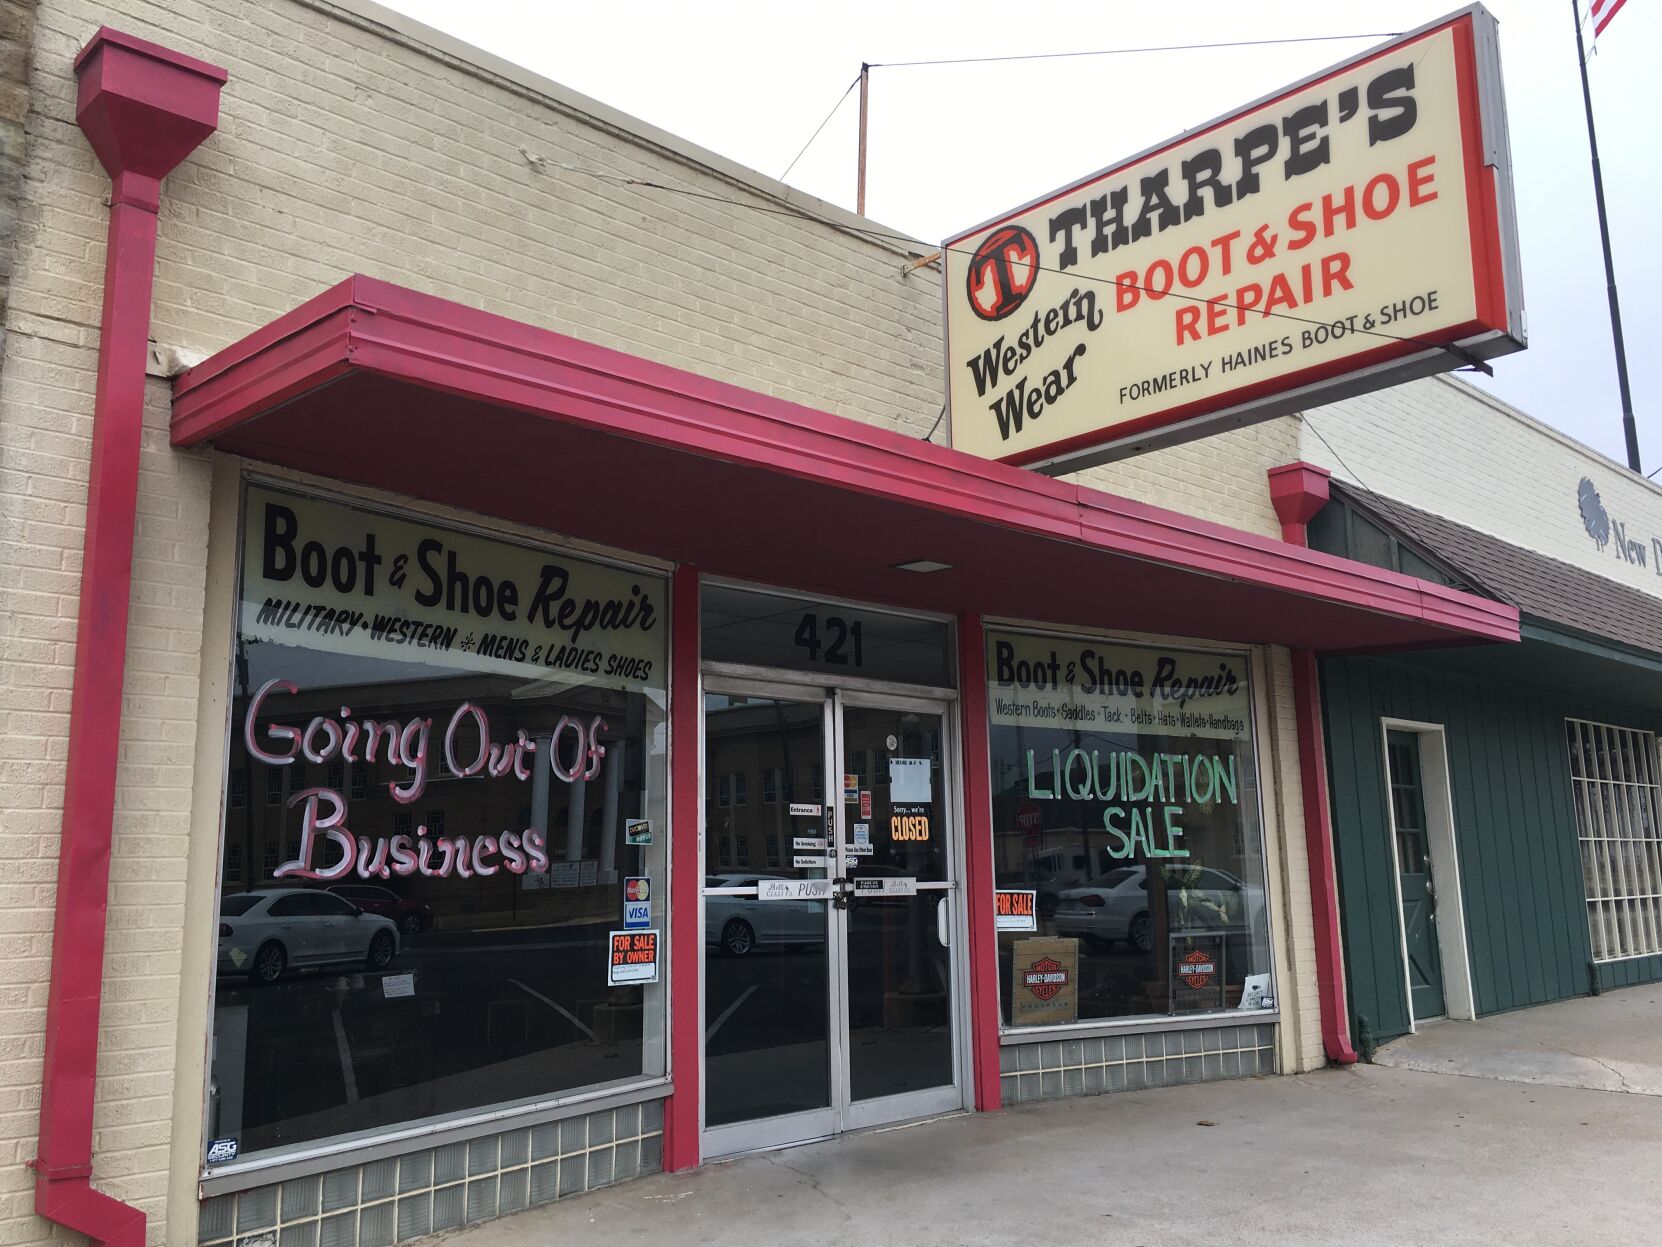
[{"x": 1345, "y": 234}]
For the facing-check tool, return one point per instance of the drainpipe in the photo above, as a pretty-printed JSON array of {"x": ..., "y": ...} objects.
[
  {"x": 143, "y": 109},
  {"x": 1299, "y": 490}
]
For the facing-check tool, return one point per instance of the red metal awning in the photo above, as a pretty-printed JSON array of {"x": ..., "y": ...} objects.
[{"x": 377, "y": 385}]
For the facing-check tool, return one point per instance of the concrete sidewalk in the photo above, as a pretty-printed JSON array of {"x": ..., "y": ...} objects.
[
  {"x": 1611, "y": 1042},
  {"x": 1361, "y": 1155}
]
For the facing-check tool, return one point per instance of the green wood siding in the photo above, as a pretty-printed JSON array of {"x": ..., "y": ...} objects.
[{"x": 1514, "y": 826}]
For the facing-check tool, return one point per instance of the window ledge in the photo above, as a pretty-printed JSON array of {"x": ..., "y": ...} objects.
[{"x": 1135, "y": 1026}]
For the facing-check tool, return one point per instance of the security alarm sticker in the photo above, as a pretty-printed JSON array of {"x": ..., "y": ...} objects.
[
  {"x": 222, "y": 1151},
  {"x": 804, "y": 809},
  {"x": 862, "y": 833},
  {"x": 909, "y": 823},
  {"x": 637, "y": 831},
  {"x": 806, "y": 844},
  {"x": 886, "y": 886},
  {"x": 1015, "y": 911},
  {"x": 909, "y": 780},
  {"x": 634, "y": 958},
  {"x": 637, "y": 902}
]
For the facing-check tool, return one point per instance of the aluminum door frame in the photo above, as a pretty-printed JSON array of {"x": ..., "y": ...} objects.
[{"x": 764, "y": 1133}]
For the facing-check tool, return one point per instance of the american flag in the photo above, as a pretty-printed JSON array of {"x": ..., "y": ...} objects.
[{"x": 1603, "y": 12}]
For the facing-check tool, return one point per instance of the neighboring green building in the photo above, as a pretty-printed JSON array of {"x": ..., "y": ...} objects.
[{"x": 1497, "y": 810}]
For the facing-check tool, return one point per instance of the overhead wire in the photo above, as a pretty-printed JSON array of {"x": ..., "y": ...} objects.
[
  {"x": 891, "y": 237},
  {"x": 1170, "y": 47},
  {"x": 820, "y": 128}
]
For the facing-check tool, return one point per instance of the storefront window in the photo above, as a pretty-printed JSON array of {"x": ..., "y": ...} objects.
[
  {"x": 473, "y": 738},
  {"x": 1126, "y": 835}
]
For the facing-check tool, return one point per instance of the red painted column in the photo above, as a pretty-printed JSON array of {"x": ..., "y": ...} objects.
[
  {"x": 1298, "y": 492},
  {"x": 686, "y": 936},
  {"x": 978, "y": 862},
  {"x": 143, "y": 109}
]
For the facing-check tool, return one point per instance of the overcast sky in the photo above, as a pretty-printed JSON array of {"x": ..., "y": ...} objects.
[{"x": 953, "y": 145}]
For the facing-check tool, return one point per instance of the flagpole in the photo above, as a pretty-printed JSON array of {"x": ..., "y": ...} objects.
[{"x": 1629, "y": 429}]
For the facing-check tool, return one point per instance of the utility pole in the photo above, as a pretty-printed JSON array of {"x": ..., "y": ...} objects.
[
  {"x": 1629, "y": 429},
  {"x": 865, "y": 88}
]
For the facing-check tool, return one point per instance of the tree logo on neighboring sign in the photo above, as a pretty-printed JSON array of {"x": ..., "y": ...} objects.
[
  {"x": 1046, "y": 977},
  {"x": 1002, "y": 272},
  {"x": 1593, "y": 514},
  {"x": 1197, "y": 969}
]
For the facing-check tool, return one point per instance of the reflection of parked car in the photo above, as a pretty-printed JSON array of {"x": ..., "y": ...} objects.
[
  {"x": 1050, "y": 871},
  {"x": 1114, "y": 906},
  {"x": 412, "y": 917},
  {"x": 738, "y": 924},
  {"x": 265, "y": 932}
]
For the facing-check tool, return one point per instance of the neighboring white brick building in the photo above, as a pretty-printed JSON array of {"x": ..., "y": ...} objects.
[{"x": 353, "y": 141}]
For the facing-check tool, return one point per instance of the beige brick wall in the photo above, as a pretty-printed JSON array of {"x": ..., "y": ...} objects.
[
  {"x": 343, "y": 148},
  {"x": 1447, "y": 447}
]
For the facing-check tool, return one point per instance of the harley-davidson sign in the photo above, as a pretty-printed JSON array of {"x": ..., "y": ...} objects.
[
  {"x": 1347, "y": 233},
  {"x": 1046, "y": 973}
]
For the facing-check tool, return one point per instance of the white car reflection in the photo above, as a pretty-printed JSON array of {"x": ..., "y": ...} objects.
[
  {"x": 736, "y": 925},
  {"x": 269, "y": 931},
  {"x": 1113, "y": 907}
]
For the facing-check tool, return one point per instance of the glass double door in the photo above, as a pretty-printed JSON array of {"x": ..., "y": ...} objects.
[{"x": 831, "y": 915}]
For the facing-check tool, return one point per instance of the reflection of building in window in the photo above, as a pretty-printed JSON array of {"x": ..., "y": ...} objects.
[
  {"x": 239, "y": 787},
  {"x": 435, "y": 822},
  {"x": 274, "y": 786},
  {"x": 880, "y": 767},
  {"x": 334, "y": 775},
  {"x": 725, "y": 846},
  {"x": 233, "y": 863},
  {"x": 816, "y": 783},
  {"x": 740, "y": 795},
  {"x": 724, "y": 791},
  {"x": 268, "y": 859},
  {"x": 773, "y": 848},
  {"x": 935, "y": 746},
  {"x": 744, "y": 850},
  {"x": 360, "y": 781},
  {"x": 861, "y": 774},
  {"x": 403, "y": 823},
  {"x": 772, "y": 781}
]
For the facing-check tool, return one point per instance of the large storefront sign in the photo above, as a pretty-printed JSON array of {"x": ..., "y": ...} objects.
[
  {"x": 1125, "y": 803},
  {"x": 1335, "y": 238},
  {"x": 349, "y": 581},
  {"x": 444, "y": 747}
]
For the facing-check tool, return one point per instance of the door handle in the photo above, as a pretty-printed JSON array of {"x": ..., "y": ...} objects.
[
  {"x": 943, "y": 930},
  {"x": 842, "y": 892}
]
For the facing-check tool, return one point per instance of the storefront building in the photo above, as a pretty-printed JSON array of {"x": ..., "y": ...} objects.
[
  {"x": 1495, "y": 809},
  {"x": 547, "y": 712}
]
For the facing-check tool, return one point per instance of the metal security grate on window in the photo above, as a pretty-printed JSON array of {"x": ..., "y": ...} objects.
[{"x": 1618, "y": 811}]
